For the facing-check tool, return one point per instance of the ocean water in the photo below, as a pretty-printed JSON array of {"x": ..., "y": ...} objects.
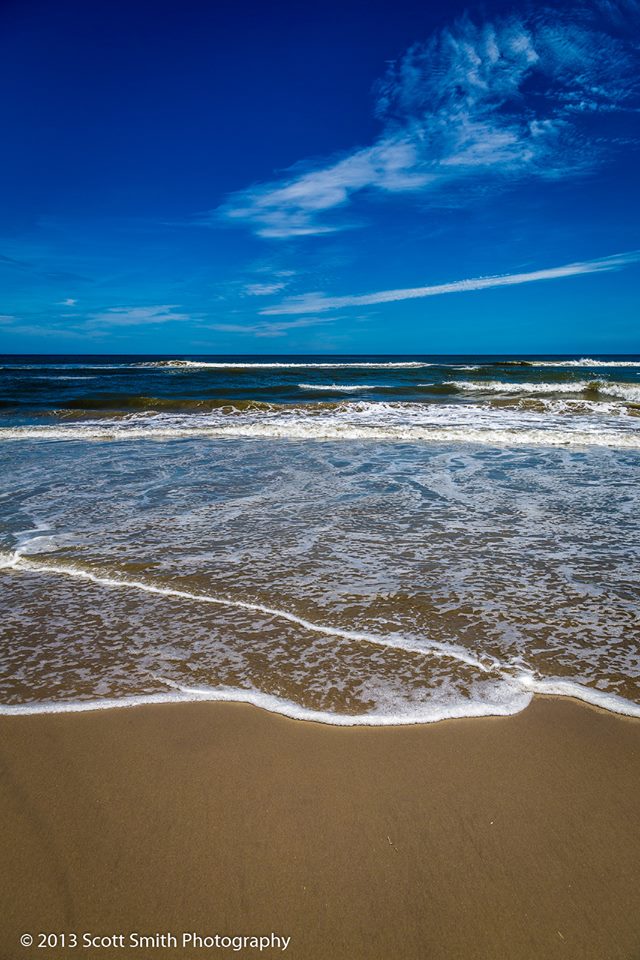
[{"x": 357, "y": 540}]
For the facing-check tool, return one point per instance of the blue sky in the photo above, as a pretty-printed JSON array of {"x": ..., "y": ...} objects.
[{"x": 344, "y": 177}]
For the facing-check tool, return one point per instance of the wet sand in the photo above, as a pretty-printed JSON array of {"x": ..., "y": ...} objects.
[{"x": 488, "y": 838}]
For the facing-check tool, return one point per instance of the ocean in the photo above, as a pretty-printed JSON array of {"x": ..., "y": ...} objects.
[{"x": 353, "y": 540}]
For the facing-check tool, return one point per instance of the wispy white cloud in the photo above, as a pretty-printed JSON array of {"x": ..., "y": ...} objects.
[
  {"x": 291, "y": 209},
  {"x": 270, "y": 328},
  {"x": 96, "y": 325},
  {"x": 319, "y": 302},
  {"x": 138, "y": 316},
  {"x": 500, "y": 99},
  {"x": 69, "y": 302},
  {"x": 16, "y": 326},
  {"x": 264, "y": 289}
]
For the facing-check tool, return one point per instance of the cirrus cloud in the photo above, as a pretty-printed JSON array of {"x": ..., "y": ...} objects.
[
  {"x": 138, "y": 316},
  {"x": 319, "y": 303},
  {"x": 497, "y": 100}
]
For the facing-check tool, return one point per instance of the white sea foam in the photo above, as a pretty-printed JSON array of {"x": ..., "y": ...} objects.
[
  {"x": 623, "y": 391},
  {"x": 356, "y": 420},
  {"x": 584, "y": 362},
  {"x": 286, "y": 365},
  {"x": 499, "y": 386},
  {"x": 339, "y": 387},
  {"x": 508, "y": 693},
  {"x": 506, "y": 698},
  {"x": 573, "y": 406},
  {"x": 506, "y": 701},
  {"x": 561, "y": 687},
  {"x": 17, "y": 560}
]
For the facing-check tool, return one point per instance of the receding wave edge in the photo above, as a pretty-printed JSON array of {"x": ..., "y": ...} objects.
[{"x": 524, "y": 683}]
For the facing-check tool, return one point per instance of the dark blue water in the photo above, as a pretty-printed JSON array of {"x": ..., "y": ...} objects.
[{"x": 129, "y": 384}]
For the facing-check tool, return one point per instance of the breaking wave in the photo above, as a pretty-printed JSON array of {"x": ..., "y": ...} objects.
[
  {"x": 589, "y": 388},
  {"x": 352, "y": 420},
  {"x": 289, "y": 365},
  {"x": 586, "y": 362}
]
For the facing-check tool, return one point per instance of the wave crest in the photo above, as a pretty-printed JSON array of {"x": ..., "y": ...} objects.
[
  {"x": 354, "y": 420},
  {"x": 588, "y": 388}
]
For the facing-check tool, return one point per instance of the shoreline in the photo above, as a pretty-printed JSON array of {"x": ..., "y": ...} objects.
[
  {"x": 274, "y": 706},
  {"x": 524, "y": 686},
  {"x": 498, "y": 836}
]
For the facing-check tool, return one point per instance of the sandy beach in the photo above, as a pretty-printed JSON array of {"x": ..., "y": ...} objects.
[
  {"x": 503, "y": 837},
  {"x": 319, "y": 480}
]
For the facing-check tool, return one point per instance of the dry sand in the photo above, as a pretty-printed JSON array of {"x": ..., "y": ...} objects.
[{"x": 492, "y": 838}]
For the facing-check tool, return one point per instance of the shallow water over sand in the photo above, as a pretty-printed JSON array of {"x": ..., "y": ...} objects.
[{"x": 359, "y": 561}]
